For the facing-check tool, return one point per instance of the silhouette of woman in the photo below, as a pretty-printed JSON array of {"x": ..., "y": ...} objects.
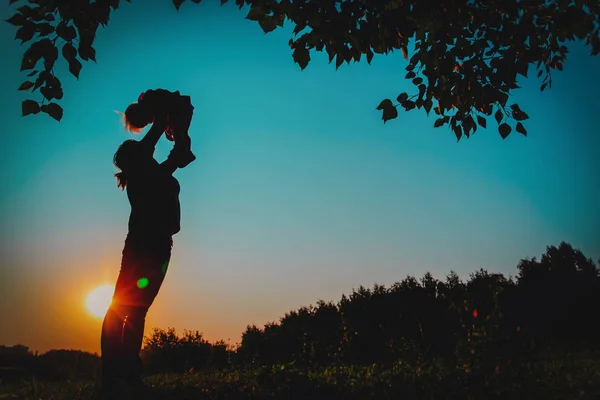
[{"x": 153, "y": 194}]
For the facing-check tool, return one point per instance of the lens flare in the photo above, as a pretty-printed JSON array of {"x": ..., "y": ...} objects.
[
  {"x": 143, "y": 282},
  {"x": 98, "y": 300}
]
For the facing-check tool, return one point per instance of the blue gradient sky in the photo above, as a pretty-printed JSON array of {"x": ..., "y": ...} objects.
[{"x": 299, "y": 193}]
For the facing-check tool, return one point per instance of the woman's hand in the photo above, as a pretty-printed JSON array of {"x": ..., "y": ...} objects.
[{"x": 161, "y": 121}]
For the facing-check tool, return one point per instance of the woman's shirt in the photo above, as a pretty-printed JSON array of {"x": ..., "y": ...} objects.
[{"x": 154, "y": 197}]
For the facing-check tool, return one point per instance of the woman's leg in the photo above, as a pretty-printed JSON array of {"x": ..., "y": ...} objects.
[
  {"x": 111, "y": 344},
  {"x": 148, "y": 279},
  {"x": 143, "y": 268},
  {"x": 111, "y": 340}
]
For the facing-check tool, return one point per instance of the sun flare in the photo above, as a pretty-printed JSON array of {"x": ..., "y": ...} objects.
[{"x": 98, "y": 301}]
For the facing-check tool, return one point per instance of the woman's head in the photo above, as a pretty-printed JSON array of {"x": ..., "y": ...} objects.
[
  {"x": 136, "y": 117},
  {"x": 127, "y": 159}
]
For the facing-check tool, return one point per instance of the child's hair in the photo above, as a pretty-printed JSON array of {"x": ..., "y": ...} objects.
[
  {"x": 125, "y": 159},
  {"x": 136, "y": 117}
]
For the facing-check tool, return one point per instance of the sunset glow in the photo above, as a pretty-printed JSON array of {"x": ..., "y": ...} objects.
[
  {"x": 300, "y": 191},
  {"x": 98, "y": 301}
]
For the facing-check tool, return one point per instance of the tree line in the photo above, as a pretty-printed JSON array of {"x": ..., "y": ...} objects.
[{"x": 484, "y": 322}]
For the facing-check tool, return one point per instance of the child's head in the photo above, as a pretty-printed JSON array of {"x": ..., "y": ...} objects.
[{"x": 136, "y": 117}]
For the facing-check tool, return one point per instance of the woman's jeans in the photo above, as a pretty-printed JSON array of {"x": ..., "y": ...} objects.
[{"x": 143, "y": 268}]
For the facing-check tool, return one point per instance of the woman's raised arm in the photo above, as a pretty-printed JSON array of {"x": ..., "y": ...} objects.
[{"x": 156, "y": 130}]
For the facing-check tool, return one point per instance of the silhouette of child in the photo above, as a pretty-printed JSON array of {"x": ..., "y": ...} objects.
[{"x": 178, "y": 110}]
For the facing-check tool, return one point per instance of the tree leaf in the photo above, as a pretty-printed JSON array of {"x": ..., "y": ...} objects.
[
  {"x": 499, "y": 115},
  {"x": 522, "y": 67},
  {"x": 404, "y": 52},
  {"x": 502, "y": 98},
  {"x": 28, "y": 62},
  {"x": 481, "y": 121},
  {"x": 69, "y": 52},
  {"x": 29, "y": 107},
  {"x": 410, "y": 75},
  {"x": 16, "y": 20},
  {"x": 44, "y": 29},
  {"x": 520, "y": 116},
  {"x": 417, "y": 81},
  {"x": 177, "y": 4},
  {"x": 32, "y": 73},
  {"x": 26, "y": 11},
  {"x": 39, "y": 81},
  {"x": 58, "y": 92},
  {"x": 51, "y": 92},
  {"x": 384, "y": 104},
  {"x": 75, "y": 67},
  {"x": 25, "y": 33},
  {"x": 100, "y": 12},
  {"x": 457, "y": 132},
  {"x": 68, "y": 33},
  {"x": 87, "y": 53},
  {"x": 301, "y": 56},
  {"x": 53, "y": 110},
  {"x": 268, "y": 24},
  {"x": 427, "y": 104},
  {"x": 389, "y": 112},
  {"x": 369, "y": 56},
  {"x": 521, "y": 129},
  {"x": 50, "y": 53},
  {"x": 438, "y": 122},
  {"x": 26, "y": 85},
  {"x": 255, "y": 14},
  {"x": 504, "y": 129},
  {"x": 339, "y": 60},
  {"x": 33, "y": 54},
  {"x": 402, "y": 97},
  {"x": 409, "y": 105}
]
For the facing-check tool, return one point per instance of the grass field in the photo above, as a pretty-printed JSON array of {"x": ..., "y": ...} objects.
[{"x": 568, "y": 377}]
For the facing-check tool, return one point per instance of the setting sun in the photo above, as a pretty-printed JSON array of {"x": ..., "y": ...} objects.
[{"x": 98, "y": 301}]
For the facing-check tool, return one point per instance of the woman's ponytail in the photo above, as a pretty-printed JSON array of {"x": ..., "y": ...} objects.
[
  {"x": 126, "y": 158},
  {"x": 121, "y": 179}
]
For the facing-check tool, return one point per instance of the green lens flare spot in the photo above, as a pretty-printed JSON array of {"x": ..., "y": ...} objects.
[
  {"x": 142, "y": 282},
  {"x": 164, "y": 267}
]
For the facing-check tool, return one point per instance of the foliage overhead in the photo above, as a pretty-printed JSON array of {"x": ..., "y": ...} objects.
[{"x": 464, "y": 60}]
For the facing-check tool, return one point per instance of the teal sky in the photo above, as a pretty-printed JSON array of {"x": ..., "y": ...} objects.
[{"x": 299, "y": 193}]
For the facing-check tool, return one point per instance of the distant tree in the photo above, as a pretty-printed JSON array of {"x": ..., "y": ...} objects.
[
  {"x": 558, "y": 296},
  {"x": 165, "y": 351},
  {"x": 485, "y": 320},
  {"x": 465, "y": 59},
  {"x": 67, "y": 365},
  {"x": 251, "y": 345},
  {"x": 16, "y": 362},
  {"x": 220, "y": 356}
]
